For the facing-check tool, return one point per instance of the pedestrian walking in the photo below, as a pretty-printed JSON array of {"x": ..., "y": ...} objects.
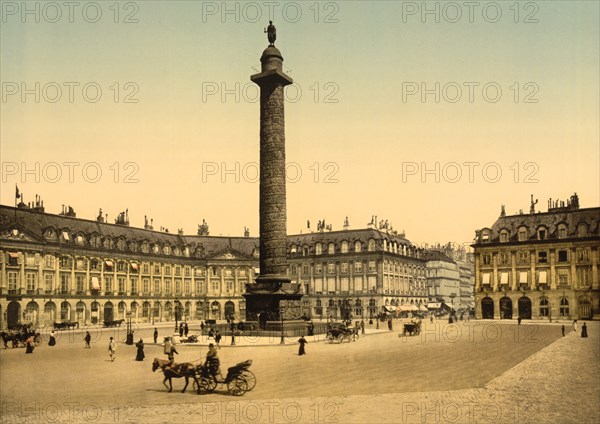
[
  {"x": 362, "y": 326},
  {"x": 575, "y": 325},
  {"x": 584, "y": 330},
  {"x": 155, "y": 335},
  {"x": 431, "y": 319},
  {"x": 218, "y": 338},
  {"x": 186, "y": 329},
  {"x": 181, "y": 330},
  {"x": 170, "y": 350},
  {"x": 29, "y": 344},
  {"x": 302, "y": 342},
  {"x": 52, "y": 340},
  {"x": 563, "y": 330},
  {"x": 390, "y": 324},
  {"x": 112, "y": 349},
  {"x": 140, "y": 351},
  {"x": 519, "y": 321},
  {"x": 88, "y": 339}
]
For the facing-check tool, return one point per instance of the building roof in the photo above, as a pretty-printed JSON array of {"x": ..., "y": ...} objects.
[{"x": 36, "y": 223}]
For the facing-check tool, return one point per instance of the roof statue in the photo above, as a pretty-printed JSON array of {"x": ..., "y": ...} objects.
[{"x": 271, "y": 32}]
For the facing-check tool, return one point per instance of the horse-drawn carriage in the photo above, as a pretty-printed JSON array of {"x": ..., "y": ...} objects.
[
  {"x": 65, "y": 325},
  {"x": 340, "y": 334},
  {"x": 239, "y": 379},
  {"x": 412, "y": 328},
  {"x": 114, "y": 323},
  {"x": 19, "y": 334}
]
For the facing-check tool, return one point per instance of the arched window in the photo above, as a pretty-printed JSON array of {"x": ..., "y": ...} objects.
[
  {"x": 331, "y": 248},
  {"x": 562, "y": 231},
  {"x": 503, "y": 236},
  {"x": 344, "y": 247},
  {"x": 357, "y": 246},
  {"x": 318, "y": 249},
  {"x": 371, "y": 247}
]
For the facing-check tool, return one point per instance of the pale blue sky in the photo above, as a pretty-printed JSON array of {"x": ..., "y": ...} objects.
[{"x": 364, "y": 61}]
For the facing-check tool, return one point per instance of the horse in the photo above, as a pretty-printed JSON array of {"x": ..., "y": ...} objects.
[
  {"x": 14, "y": 338},
  {"x": 172, "y": 370}
]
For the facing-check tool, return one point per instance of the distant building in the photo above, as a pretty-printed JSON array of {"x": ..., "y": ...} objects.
[
  {"x": 450, "y": 278},
  {"x": 541, "y": 265},
  {"x": 56, "y": 268}
]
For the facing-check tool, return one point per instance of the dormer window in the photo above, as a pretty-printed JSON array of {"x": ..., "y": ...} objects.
[
  {"x": 485, "y": 237},
  {"x": 582, "y": 230},
  {"x": 357, "y": 246},
  {"x": 65, "y": 235},
  {"x": 542, "y": 233},
  {"x": 155, "y": 248},
  {"x": 167, "y": 250},
  {"x": 503, "y": 236},
  {"x": 79, "y": 239},
  {"x": 293, "y": 248},
  {"x": 331, "y": 248},
  {"x": 522, "y": 234},
  {"x": 121, "y": 244},
  {"x": 318, "y": 249},
  {"x": 371, "y": 247},
  {"x": 344, "y": 247},
  {"x": 562, "y": 231}
]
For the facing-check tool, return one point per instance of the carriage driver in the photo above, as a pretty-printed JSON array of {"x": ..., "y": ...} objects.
[{"x": 212, "y": 361}]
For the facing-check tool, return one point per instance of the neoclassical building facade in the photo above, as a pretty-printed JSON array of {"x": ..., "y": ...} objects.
[
  {"x": 540, "y": 265},
  {"x": 58, "y": 268}
]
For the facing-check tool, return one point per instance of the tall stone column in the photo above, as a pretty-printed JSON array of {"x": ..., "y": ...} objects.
[
  {"x": 273, "y": 217},
  {"x": 273, "y": 301}
]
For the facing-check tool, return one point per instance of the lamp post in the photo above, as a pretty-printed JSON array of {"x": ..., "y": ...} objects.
[
  {"x": 129, "y": 340},
  {"x": 282, "y": 341},
  {"x": 176, "y": 307}
]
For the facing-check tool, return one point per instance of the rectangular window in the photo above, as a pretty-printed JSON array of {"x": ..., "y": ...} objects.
[
  {"x": 146, "y": 268},
  {"x": 229, "y": 286},
  {"x": 121, "y": 284},
  {"x": 318, "y": 269},
  {"x": 12, "y": 280},
  {"x": 49, "y": 260},
  {"x": 358, "y": 266},
  {"x": 177, "y": 271},
  {"x": 167, "y": 269},
  {"x": 330, "y": 268},
  {"x": 156, "y": 269},
  {"x": 65, "y": 283},
  {"x": 199, "y": 286},
  {"x": 157, "y": 290},
  {"x": 108, "y": 283},
  {"x": 344, "y": 267},
  {"x": 146, "y": 285},
  {"x": 305, "y": 270},
  {"x": 371, "y": 266},
  {"x": 31, "y": 282},
  {"x": 542, "y": 257},
  {"x": 187, "y": 286},
  {"x": 188, "y": 271},
  {"x": 79, "y": 279},
  {"x": 563, "y": 276},
  {"x": 49, "y": 282},
  {"x": 523, "y": 257},
  {"x": 134, "y": 285},
  {"x": 178, "y": 287},
  {"x": 167, "y": 287},
  {"x": 215, "y": 286},
  {"x": 563, "y": 256}
]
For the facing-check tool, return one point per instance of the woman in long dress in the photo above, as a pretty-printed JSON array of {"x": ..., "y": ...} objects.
[
  {"x": 140, "y": 351},
  {"x": 52, "y": 340},
  {"x": 302, "y": 342}
]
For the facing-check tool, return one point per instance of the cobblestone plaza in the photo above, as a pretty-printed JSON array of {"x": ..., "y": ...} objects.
[{"x": 471, "y": 372}]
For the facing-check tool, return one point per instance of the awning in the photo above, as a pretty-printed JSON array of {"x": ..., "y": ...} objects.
[
  {"x": 95, "y": 283},
  {"x": 504, "y": 278},
  {"x": 390, "y": 308},
  {"x": 543, "y": 279},
  {"x": 423, "y": 308},
  {"x": 134, "y": 266},
  {"x": 256, "y": 271},
  {"x": 108, "y": 263},
  {"x": 407, "y": 308},
  {"x": 523, "y": 277},
  {"x": 13, "y": 255},
  {"x": 434, "y": 305},
  {"x": 485, "y": 278}
]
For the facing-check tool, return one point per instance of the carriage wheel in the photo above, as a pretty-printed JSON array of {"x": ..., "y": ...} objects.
[
  {"x": 237, "y": 386},
  {"x": 250, "y": 379},
  {"x": 340, "y": 338},
  {"x": 207, "y": 385}
]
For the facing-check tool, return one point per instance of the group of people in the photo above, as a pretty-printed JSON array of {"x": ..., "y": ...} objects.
[{"x": 584, "y": 332}]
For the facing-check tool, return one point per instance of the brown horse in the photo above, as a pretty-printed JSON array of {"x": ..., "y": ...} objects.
[{"x": 173, "y": 370}]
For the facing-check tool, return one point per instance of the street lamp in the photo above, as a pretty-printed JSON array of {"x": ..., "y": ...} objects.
[
  {"x": 176, "y": 313},
  {"x": 129, "y": 340}
]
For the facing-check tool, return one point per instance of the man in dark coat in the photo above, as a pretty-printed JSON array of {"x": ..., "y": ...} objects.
[
  {"x": 140, "y": 351},
  {"x": 302, "y": 342}
]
